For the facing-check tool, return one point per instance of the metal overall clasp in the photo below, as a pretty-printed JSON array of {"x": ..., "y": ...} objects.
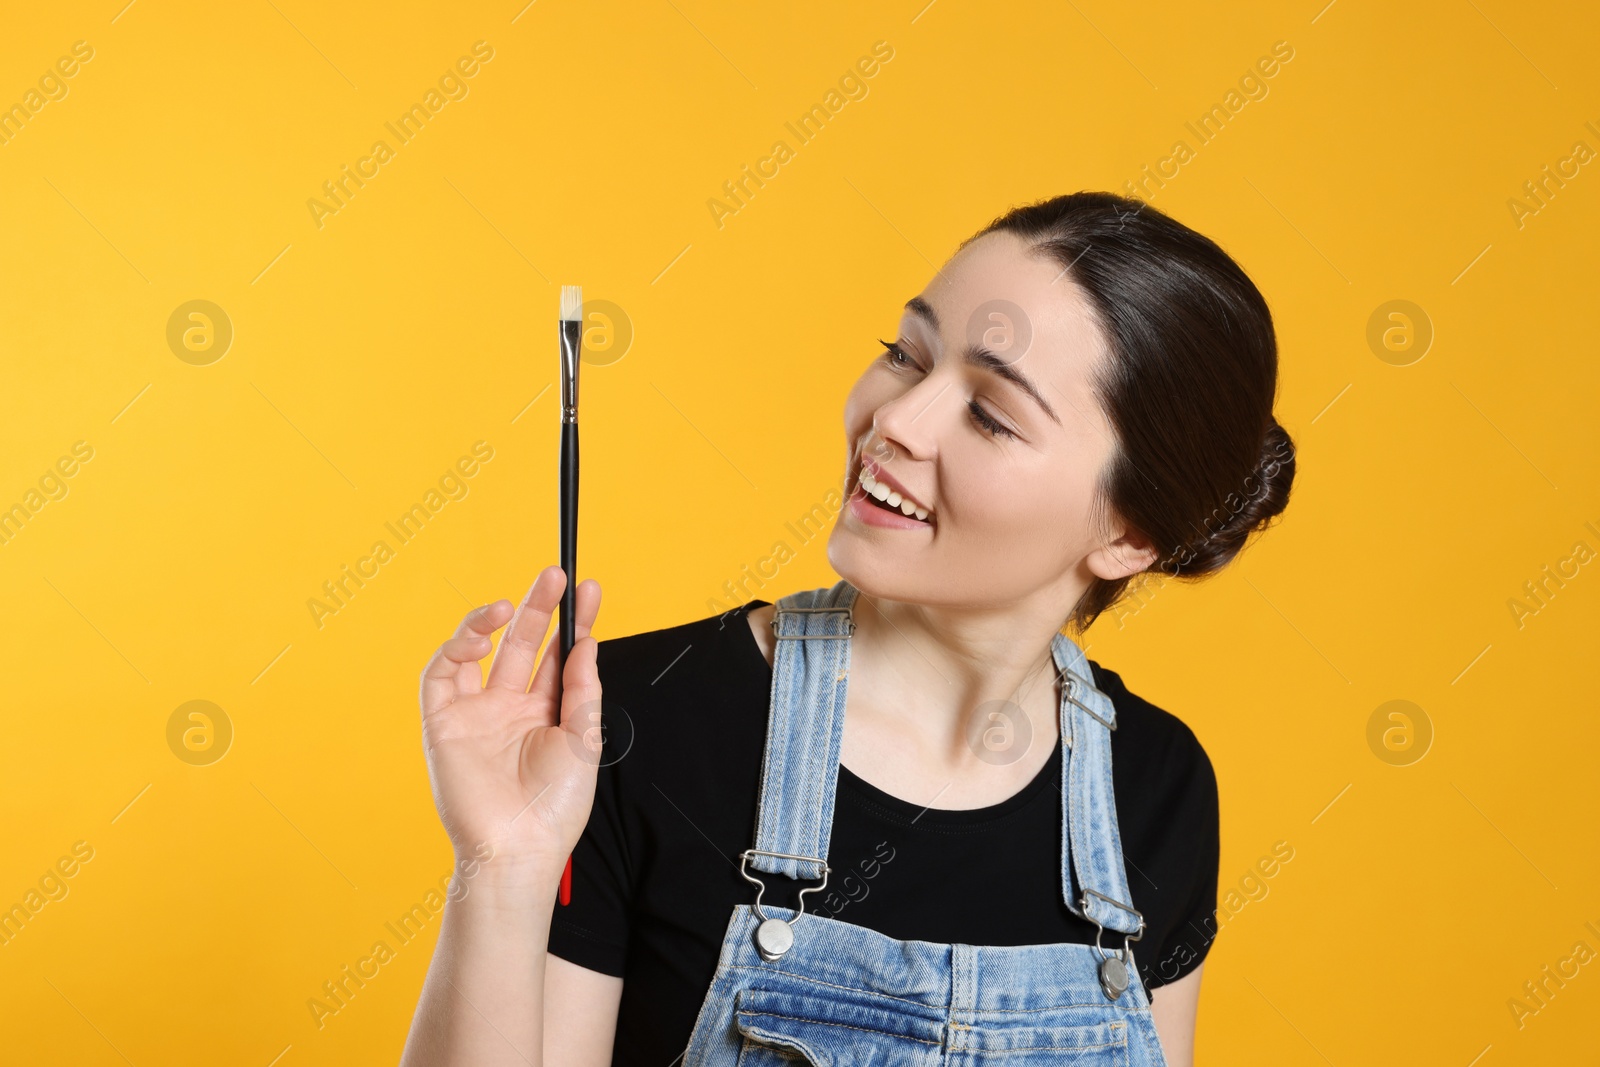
[
  {"x": 1115, "y": 972},
  {"x": 850, "y": 624},
  {"x": 775, "y": 936}
]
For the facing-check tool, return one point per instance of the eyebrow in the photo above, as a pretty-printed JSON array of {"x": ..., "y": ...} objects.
[{"x": 978, "y": 356}]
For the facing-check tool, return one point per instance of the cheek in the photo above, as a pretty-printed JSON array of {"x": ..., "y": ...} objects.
[
  {"x": 1029, "y": 511},
  {"x": 869, "y": 393},
  {"x": 997, "y": 503}
]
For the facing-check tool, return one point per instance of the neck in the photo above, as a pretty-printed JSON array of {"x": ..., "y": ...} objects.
[{"x": 943, "y": 675}]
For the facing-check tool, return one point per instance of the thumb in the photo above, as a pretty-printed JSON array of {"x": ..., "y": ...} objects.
[{"x": 580, "y": 691}]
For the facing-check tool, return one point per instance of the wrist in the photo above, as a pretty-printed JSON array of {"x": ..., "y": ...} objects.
[
  {"x": 500, "y": 919},
  {"x": 520, "y": 882}
]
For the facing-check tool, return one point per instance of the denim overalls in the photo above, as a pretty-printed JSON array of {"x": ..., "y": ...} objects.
[{"x": 810, "y": 989}]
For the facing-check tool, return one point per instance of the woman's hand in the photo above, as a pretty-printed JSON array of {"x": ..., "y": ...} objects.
[{"x": 514, "y": 768}]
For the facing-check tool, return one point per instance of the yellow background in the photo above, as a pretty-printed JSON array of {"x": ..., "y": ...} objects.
[{"x": 370, "y": 353}]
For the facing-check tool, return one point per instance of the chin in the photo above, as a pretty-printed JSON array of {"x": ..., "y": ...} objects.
[{"x": 874, "y": 569}]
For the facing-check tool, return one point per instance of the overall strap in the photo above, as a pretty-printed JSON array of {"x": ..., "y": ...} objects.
[
  {"x": 805, "y": 730},
  {"x": 1091, "y": 846}
]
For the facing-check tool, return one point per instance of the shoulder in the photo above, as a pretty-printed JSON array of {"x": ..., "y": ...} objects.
[
  {"x": 652, "y": 657},
  {"x": 694, "y": 679},
  {"x": 682, "y": 723},
  {"x": 1155, "y": 748}
]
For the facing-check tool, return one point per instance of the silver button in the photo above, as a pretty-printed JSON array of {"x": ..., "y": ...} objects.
[
  {"x": 1113, "y": 977},
  {"x": 773, "y": 938}
]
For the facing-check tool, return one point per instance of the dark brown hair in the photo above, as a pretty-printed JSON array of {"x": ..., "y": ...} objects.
[{"x": 1200, "y": 462}]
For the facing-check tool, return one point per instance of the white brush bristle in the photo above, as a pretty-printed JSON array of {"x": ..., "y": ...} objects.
[{"x": 572, "y": 303}]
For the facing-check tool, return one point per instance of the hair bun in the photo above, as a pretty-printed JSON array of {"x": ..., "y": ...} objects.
[{"x": 1262, "y": 497}]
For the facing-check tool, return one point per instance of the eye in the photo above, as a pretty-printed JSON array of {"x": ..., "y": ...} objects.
[
  {"x": 987, "y": 423},
  {"x": 896, "y": 356}
]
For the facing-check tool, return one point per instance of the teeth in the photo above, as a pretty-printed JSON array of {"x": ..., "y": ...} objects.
[{"x": 893, "y": 499}]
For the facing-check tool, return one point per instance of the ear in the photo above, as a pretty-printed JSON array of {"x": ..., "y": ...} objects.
[{"x": 1129, "y": 553}]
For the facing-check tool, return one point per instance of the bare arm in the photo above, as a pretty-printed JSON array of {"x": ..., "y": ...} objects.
[
  {"x": 580, "y": 1010},
  {"x": 1174, "y": 1008},
  {"x": 475, "y": 1005},
  {"x": 482, "y": 1000},
  {"x": 513, "y": 774}
]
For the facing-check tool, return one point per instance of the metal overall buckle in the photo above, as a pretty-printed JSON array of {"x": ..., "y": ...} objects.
[
  {"x": 1110, "y": 724},
  {"x": 1115, "y": 974},
  {"x": 851, "y": 629},
  {"x": 775, "y": 936}
]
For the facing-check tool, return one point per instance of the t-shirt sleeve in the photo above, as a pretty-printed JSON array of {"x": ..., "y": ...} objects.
[
  {"x": 592, "y": 930},
  {"x": 1190, "y": 940}
]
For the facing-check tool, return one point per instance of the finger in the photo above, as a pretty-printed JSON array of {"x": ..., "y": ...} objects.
[
  {"x": 583, "y": 622},
  {"x": 580, "y": 690},
  {"x": 588, "y": 606},
  {"x": 514, "y": 659},
  {"x": 454, "y": 669},
  {"x": 480, "y": 624},
  {"x": 485, "y": 620}
]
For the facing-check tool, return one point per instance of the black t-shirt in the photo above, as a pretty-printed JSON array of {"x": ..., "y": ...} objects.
[{"x": 655, "y": 876}]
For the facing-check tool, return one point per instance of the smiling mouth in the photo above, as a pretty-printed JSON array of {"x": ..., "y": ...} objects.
[{"x": 879, "y": 495}]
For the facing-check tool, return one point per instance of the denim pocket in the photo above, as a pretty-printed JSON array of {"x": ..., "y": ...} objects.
[
  {"x": 799, "y": 1024},
  {"x": 754, "y": 1053},
  {"x": 1043, "y": 1041}
]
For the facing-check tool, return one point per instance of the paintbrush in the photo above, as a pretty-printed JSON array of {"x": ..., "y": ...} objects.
[{"x": 571, "y": 357}]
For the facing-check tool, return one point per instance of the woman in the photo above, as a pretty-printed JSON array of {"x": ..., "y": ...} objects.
[{"x": 920, "y": 853}]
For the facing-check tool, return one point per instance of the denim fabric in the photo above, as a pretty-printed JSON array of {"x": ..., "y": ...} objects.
[{"x": 848, "y": 995}]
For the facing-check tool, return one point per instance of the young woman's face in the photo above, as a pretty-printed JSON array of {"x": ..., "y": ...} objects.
[{"x": 984, "y": 416}]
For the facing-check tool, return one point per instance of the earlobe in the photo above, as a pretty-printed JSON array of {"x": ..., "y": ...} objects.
[{"x": 1127, "y": 555}]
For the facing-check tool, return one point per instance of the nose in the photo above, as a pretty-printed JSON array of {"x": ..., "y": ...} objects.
[{"x": 907, "y": 425}]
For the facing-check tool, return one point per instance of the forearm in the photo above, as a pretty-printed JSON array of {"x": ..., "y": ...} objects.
[{"x": 483, "y": 1001}]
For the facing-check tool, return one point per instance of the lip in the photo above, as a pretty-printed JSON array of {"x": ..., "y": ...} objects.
[
  {"x": 873, "y": 515},
  {"x": 871, "y": 466}
]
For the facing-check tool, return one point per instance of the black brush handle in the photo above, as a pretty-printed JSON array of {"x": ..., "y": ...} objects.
[{"x": 569, "y": 535}]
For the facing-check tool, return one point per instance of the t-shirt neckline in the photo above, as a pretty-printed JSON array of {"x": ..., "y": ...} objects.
[{"x": 904, "y": 811}]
